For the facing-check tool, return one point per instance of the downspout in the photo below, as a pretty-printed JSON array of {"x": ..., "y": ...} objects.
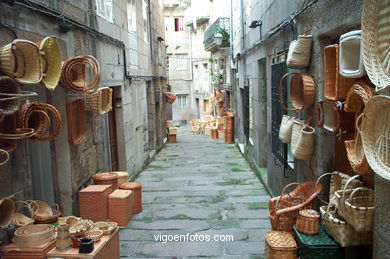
[{"x": 150, "y": 33}]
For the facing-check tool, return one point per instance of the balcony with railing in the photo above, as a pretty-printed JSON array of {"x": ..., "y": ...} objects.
[{"x": 221, "y": 26}]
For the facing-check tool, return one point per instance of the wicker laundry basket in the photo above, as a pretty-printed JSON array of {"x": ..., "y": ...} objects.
[
  {"x": 93, "y": 202},
  {"x": 120, "y": 205},
  {"x": 136, "y": 188}
]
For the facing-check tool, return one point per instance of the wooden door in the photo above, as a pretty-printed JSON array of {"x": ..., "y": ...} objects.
[{"x": 113, "y": 140}]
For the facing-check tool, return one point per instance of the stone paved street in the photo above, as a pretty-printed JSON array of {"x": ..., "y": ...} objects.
[{"x": 202, "y": 186}]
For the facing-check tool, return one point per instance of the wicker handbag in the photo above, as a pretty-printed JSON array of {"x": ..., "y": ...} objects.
[
  {"x": 302, "y": 91},
  {"x": 358, "y": 96},
  {"x": 284, "y": 209},
  {"x": 299, "y": 52},
  {"x": 51, "y": 62},
  {"x": 350, "y": 58},
  {"x": 21, "y": 60},
  {"x": 170, "y": 97},
  {"x": 302, "y": 139},
  {"x": 336, "y": 86},
  {"x": 375, "y": 40},
  {"x": 99, "y": 101},
  {"x": 74, "y": 77},
  {"x": 285, "y": 130},
  {"x": 375, "y": 134},
  {"x": 75, "y": 111}
]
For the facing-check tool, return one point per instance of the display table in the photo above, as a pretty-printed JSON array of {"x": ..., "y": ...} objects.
[
  {"x": 107, "y": 247},
  {"x": 13, "y": 251}
]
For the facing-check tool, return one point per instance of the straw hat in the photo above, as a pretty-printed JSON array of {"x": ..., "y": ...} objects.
[
  {"x": 51, "y": 62},
  {"x": 375, "y": 133},
  {"x": 375, "y": 41}
]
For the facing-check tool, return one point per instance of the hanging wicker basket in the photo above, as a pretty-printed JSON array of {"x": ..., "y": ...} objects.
[
  {"x": 285, "y": 130},
  {"x": 51, "y": 62},
  {"x": 170, "y": 97},
  {"x": 375, "y": 134},
  {"x": 358, "y": 96},
  {"x": 75, "y": 112},
  {"x": 299, "y": 52},
  {"x": 7, "y": 210},
  {"x": 350, "y": 58},
  {"x": 99, "y": 101},
  {"x": 375, "y": 41},
  {"x": 302, "y": 140},
  {"x": 74, "y": 75},
  {"x": 302, "y": 91},
  {"x": 330, "y": 116},
  {"x": 336, "y": 85}
]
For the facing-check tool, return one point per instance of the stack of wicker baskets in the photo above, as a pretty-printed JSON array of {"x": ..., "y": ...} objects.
[{"x": 229, "y": 133}]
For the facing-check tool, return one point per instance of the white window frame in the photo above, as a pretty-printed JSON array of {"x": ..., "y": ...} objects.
[
  {"x": 181, "y": 24},
  {"x": 182, "y": 100},
  {"x": 145, "y": 18},
  {"x": 108, "y": 6},
  {"x": 180, "y": 62}
]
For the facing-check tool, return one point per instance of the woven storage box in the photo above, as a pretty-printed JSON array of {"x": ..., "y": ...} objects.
[
  {"x": 350, "y": 58},
  {"x": 214, "y": 133},
  {"x": 229, "y": 136},
  {"x": 336, "y": 86},
  {"x": 308, "y": 221},
  {"x": 136, "y": 188},
  {"x": 99, "y": 101},
  {"x": 229, "y": 122},
  {"x": 221, "y": 134},
  {"x": 280, "y": 245},
  {"x": 120, "y": 207},
  {"x": 319, "y": 246},
  {"x": 106, "y": 179},
  {"x": 171, "y": 138},
  {"x": 94, "y": 202},
  {"x": 123, "y": 177}
]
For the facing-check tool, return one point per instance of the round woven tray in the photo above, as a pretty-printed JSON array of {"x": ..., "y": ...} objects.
[
  {"x": 107, "y": 227},
  {"x": 94, "y": 234}
]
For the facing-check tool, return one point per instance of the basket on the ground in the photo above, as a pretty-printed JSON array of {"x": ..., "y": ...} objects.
[
  {"x": 51, "y": 62},
  {"x": 280, "y": 245},
  {"x": 106, "y": 179},
  {"x": 358, "y": 96},
  {"x": 214, "y": 133},
  {"x": 375, "y": 134},
  {"x": 350, "y": 58},
  {"x": 120, "y": 206},
  {"x": 302, "y": 139},
  {"x": 302, "y": 91},
  {"x": 21, "y": 60},
  {"x": 93, "y": 202},
  {"x": 307, "y": 221},
  {"x": 75, "y": 112},
  {"x": 99, "y": 101},
  {"x": 336, "y": 86},
  {"x": 74, "y": 77},
  {"x": 375, "y": 41},
  {"x": 136, "y": 188},
  {"x": 284, "y": 209},
  {"x": 221, "y": 134},
  {"x": 171, "y": 138}
]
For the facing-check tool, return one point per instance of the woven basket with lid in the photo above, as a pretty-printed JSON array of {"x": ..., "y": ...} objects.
[
  {"x": 136, "y": 188},
  {"x": 120, "y": 205},
  {"x": 123, "y": 177},
  {"x": 280, "y": 245},
  {"x": 106, "y": 179},
  {"x": 307, "y": 221}
]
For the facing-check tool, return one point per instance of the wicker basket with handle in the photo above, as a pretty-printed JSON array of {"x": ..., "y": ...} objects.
[
  {"x": 106, "y": 179},
  {"x": 280, "y": 245},
  {"x": 43, "y": 213},
  {"x": 308, "y": 221},
  {"x": 99, "y": 101},
  {"x": 302, "y": 140},
  {"x": 358, "y": 96},
  {"x": 51, "y": 62},
  {"x": 302, "y": 91}
]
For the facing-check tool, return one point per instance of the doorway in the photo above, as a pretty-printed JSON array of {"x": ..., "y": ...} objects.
[{"x": 113, "y": 139}]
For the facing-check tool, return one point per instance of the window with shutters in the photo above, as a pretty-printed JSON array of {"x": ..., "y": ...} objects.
[{"x": 178, "y": 23}]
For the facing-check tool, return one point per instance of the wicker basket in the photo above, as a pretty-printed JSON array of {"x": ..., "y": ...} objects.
[
  {"x": 107, "y": 227},
  {"x": 99, "y": 101},
  {"x": 123, "y": 177},
  {"x": 94, "y": 234},
  {"x": 21, "y": 60},
  {"x": 229, "y": 136},
  {"x": 221, "y": 134},
  {"x": 336, "y": 86},
  {"x": 350, "y": 58},
  {"x": 375, "y": 134},
  {"x": 332, "y": 117},
  {"x": 302, "y": 91},
  {"x": 280, "y": 245},
  {"x": 375, "y": 40},
  {"x": 7, "y": 210},
  {"x": 299, "y": 52},
  {"x": 51, "y": 63},
  {"x": 170, "y": 97},
  {"x": 34, "y": 235},
  {"x": 307, "y": 221},
  {"x": 74, "y": 78},
  {"x": 106, "y": 179},
  {"x": 93, "y": 202},
  {"x": 43, "y": 213},
  {"x": 4, "y": 157},
  {"x": 136, "y": 188},
  {"x": 338, "y": 182},
  {"x": 80, "y": 226},
  {"x": 214, "y": 133},
  {"x": 19, "y": 218},
  {"x": 8, "y": 105},
  {"x": 284, "y": 209},
  {"x": 285, "y": 130},
  {"x": 171, "y": 138},
  {"x": 358, "y": 96},
  {"x": 75, "y": 112},
  {"x": 8, "y": 126},
  {"x": 120, "y": 205},
  {"x": 35, "y": 115},
  {"x": 172, "y": 130},
  {"x": 302, "y": 139}
]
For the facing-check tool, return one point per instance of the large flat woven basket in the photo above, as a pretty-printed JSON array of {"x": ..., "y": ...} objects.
[
  {"x": 375, "y": 41},
  {"x": 51, "y": 63},
  {"x": 99, "y": 101}
]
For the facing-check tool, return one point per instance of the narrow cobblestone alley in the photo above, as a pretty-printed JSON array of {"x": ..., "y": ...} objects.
[{"x": 199, "y": 185}]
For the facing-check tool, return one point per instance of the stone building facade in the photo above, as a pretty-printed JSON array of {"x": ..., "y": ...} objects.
[
  {"x": 259, "y": 62},
  {"x": 125, "y": 37}
]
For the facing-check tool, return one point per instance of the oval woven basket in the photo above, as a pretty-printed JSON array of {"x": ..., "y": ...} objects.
[
  {"x": 43, "y": 213},
  {"x": 8, "y": 87},
  {"x": 358, "y": 96},
  {"x": 94, "y": 234},
  {"x": 34, "y": 235},
  {"x": 170, "y": 97},
  {"x": 302, "y": 91},
  {"x": 375, "y": 134},
  {"x": 74, "y": 75},
  {"x": 375, "y": 41},
  {"x": 99, "y": 101},
  {"x": 51, "y": 62},
  {"x": 7, "y": 210},
  {"x": 21, "y": 60},
  {"x": 106, "y": 226},
  {"x": 106, "y": 179}
]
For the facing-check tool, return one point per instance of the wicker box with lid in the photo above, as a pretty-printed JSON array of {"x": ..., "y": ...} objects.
[
  {"x": 94, "y": 202},
  {"x": 120, "y": 205},
  {"x": 280, "y": 245},
  {"x": 136, "y": 188},
  {"x": 319, "y": 246},
  {"x": 123, "y": 177}
]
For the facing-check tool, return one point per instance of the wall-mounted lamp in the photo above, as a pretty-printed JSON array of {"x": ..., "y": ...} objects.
[
  {"x": 218, "y": 37},
  {"x": 160, "y": 39},
  {"x": 256, "y": 24}
]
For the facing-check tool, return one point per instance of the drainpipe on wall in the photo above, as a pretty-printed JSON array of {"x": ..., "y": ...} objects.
[{"x": 150, "y": 32}]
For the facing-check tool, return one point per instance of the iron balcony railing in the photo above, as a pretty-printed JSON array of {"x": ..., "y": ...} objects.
[{"x": 222, "y": 26}]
